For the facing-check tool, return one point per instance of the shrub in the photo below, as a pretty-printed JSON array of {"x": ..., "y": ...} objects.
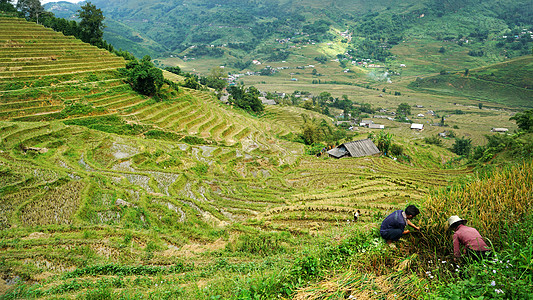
[
  {"x": 396, "y": 150},
  {"x": 462, "y": 146},
  {"x": 433, "y": 140},
  {"x": 524, "y": 120},
  {"x": 144, "y": 77},
  {"x": 263, "y": 244}
]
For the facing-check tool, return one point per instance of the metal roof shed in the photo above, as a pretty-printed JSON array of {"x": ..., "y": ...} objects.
[
  {"x": 417, "y": 126},
  {"x": 355, "y": 149}
]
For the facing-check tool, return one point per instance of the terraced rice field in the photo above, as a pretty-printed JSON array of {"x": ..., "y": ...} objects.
[
  {"x": 81, "y": 196},
  {"x": 42, "y": 72}
]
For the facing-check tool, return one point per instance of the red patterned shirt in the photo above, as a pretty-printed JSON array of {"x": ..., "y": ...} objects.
[{"x": 468, "y": 237}]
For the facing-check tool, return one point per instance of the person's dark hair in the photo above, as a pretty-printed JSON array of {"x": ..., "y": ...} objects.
[{"x": 412, "y": 210}]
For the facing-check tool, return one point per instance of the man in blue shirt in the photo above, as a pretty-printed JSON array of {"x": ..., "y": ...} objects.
[{"x": 393, "y": 227}]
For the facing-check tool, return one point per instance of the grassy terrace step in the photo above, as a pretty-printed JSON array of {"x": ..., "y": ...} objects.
[
  {"x": 194, "y": 120},
  {"x": 177, "y": 123},
  {"x": 24, "y": 105},
  {"x": 111, "y": 99},
  {"x": 49, "y": 64},
  {"x": 175, "y": 110},
  {"x": 145, "y": 112},
  {"x": 156, "y": 115},
  {"x": 65, "y": 91},
  {"x": 125, "y": 103},
  {"x": 205, "y": 128},
  {"x": 60, "y": 69},
  {"x": 12, "y": 114},
  {"x": 78, "y": 72},
  {"x": 85, "y": 52},
  {"x": 29, "y": 130}
]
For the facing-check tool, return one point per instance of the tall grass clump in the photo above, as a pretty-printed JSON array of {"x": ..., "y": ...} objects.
[
  {"x": 491, "y": 203},
  {"x": 497, "y": 204}
]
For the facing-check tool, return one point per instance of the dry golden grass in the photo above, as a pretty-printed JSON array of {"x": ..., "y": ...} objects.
[{"x": 487, "y": 203}]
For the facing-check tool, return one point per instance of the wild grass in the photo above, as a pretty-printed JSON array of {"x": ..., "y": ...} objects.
[{"x": 490, "y": 202}]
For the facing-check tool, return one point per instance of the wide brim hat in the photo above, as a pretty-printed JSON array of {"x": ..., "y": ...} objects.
[{"x": 455, "y": 220}]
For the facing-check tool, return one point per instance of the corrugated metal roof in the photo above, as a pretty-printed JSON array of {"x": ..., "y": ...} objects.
[
  {"x": 355, "y": 149},
  {"x": 338, "y": 152},
  {"x": 361, "y": 148},
  {"x": 376, "y": 126}
]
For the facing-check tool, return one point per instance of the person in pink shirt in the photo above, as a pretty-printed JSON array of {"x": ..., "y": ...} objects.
[{"x": 469, "y": 238}]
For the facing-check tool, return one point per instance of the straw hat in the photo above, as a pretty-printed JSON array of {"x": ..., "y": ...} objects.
[{"x": 455, "y": 219}]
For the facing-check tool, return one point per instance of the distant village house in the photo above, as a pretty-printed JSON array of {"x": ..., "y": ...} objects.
[
  {"x": 266, "y": 101},
  {"x": 499, "y": 130},
  {"x": 365, "y": 123},
  {"x": 418, "y": 127},
  {"x": 376, "y": 126}
]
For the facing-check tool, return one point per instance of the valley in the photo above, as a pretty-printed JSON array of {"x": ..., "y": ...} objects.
[{"x": 109, "y": 193}]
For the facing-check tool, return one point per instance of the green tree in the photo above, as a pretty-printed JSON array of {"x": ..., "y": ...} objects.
[
  {"x": 192, "y": 83},
  {"x": 144, "y": 77},
  {"x": 30, "y": 8},
  {"x": 91, "y": 24},
  {"x": 462, "y": 146},
  {"x": 322, "y": 59},
  {"x": 480, "y": 105},
  {"x": 176, "y": 70},
  {"x": 383, "y": 141},
  {"x": 404, "y": 109},
  {"x": 216, "y": 79},
  {"x": 6, "y": 5},
  {"x": 247, "y": 99},
  {"x": 524, "y": 120}
]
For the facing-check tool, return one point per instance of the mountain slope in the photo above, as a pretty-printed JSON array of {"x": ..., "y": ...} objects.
[
  {"x": 507, "y": 83},
  {"x": 104, "y": 193},
  {"x": 162, "y": 29}
]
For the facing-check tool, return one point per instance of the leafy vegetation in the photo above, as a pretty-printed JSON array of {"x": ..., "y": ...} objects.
[
  {"x": 144, "y": 77},
  {"x": 129, "y": 197},
  {"x": 524, "y": 120},
  {"x": 246, "y": 98}
]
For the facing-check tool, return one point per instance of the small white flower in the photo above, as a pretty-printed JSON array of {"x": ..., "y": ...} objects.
[
  {"x": 352, "y": 297},
  {"x": 431, "y": 276},
  {"x": 493, "y": 283},
  {"x": 456, "y": 270},
  {"x": 443, "y": 261},
  {"x": 156, "y": 284},
  {"x": 494, "y": 271}
]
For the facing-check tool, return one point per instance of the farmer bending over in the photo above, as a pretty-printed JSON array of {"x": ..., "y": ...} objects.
[
  {"x": 393, "y": 227},
  {"x": 469, "y": 238}
]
